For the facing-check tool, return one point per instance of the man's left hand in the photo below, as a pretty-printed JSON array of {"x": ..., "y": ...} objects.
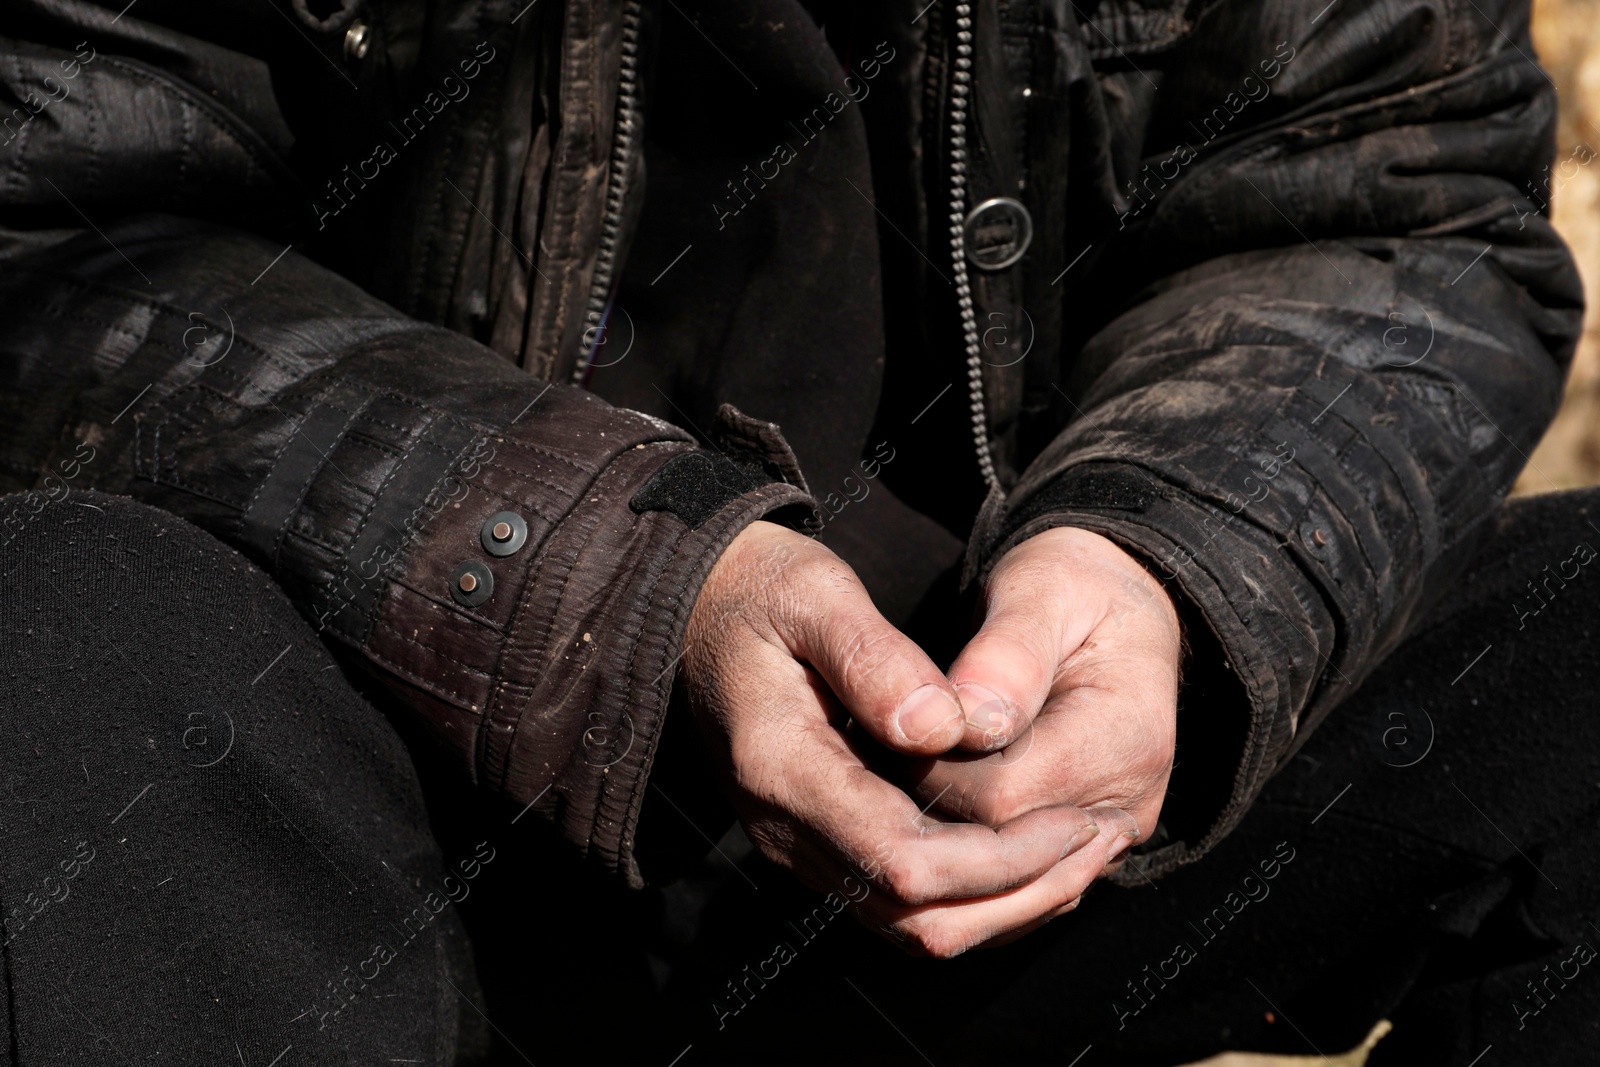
[{"x": 1070, "y": 688}]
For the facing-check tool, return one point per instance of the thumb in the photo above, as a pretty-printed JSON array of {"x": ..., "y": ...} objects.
[
  {"x": 886, "y": 682},
  {"x": 1005, "y": 673}
]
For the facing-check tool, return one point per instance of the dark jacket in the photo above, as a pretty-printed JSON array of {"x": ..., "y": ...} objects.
[{"x": 344, "y": 280}]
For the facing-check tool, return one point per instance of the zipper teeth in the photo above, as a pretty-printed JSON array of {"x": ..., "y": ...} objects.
[
  {"x": 622, "y": 145},
  {"x": 960, "y": 92}
]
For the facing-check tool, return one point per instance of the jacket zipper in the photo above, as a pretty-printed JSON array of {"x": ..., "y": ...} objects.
[
  {"x": 960, "y": 92},
  {"x": 623, "y": 135},
  {"x": 622, "y": 148}
]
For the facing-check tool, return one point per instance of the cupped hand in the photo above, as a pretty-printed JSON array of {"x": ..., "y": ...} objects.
[
  {"x": 1070, "y": 686},
  {"x": 783, "y": 650}
]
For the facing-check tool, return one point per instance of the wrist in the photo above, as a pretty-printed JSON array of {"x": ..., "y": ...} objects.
[{"x": 1124, "y": 581}]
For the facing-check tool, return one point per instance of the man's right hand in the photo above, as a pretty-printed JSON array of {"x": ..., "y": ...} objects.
[{"x": 784, "y": 649}]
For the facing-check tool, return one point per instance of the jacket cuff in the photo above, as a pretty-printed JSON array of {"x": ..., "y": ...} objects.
[
  {"x": 550, "y": 680},
  {"x": 1245, "y": 625}
]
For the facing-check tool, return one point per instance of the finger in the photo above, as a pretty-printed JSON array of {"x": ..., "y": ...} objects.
[
  {"x": 887, "y": 683},
  {"x": 872, "y": 826},
  {"x": 948, "y": 929},
  {"x": 1022, "y": 931},
  {"x": 890, "y": 874},
  {"x": 1121, "y": 830},
  {"x": 800, "y": 778},
  {"x": 915, "y": 861},
  {"x": 943, "y": 930},
  {"x": 1110, "y": 742},
  {"x": 1090, "y": 747},
  {"x": 1006, "y": 672},
  {"x": 1043, "y": 602}
]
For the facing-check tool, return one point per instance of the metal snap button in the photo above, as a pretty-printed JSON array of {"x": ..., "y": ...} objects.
[
  {"x": 503, "y": 533},
  {"x": 1315, "y": 538},
  {"x": 472, "y": 583},
  {"x": 998, "y": 232},
  {"x": 357, "y": 41}
]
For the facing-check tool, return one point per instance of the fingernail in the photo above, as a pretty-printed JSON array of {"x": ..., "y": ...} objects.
[
  {"x": 1121, "y": 845},
  {"x": 925, "y": 711},
  {"x": 1084, "y": 835},
  {"x": 986, "y": 710},
  {"x": 1123, "y": 824}
]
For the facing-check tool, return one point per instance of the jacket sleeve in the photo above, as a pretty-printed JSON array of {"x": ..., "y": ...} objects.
[
  {"x": 1361, "y": 332},
  {"x": 356, "y": 454}
]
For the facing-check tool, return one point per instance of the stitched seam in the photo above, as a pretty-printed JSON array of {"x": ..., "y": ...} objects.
[
  {"x": 300, "y": 378},
  {"x": 447, "y": 657},
  {"x": 1299, "y": 125},
  {"x": 526, "y": 475},
  {"x": 294, "y": 431},
  {"x": 420, "y": 682},
  {"x": 22, "y": 146},
  {"x": 372, "y": 504},
  {"x": 56, "y": 312},
  {"x": 1387, "y": 534},
  {"x": 414, "y": 534},
  {"x": 541, "y": 639},
  {"x": 520, "y": 503},
  {"x": 451, "y": 607},
  {"x": 239, "y": 134},
  {"x": 631, "y": 698},
  {"x": 365, "y": 348},
  {"x": 357, "y": 435},
  {"x": 324, "y": 462},
  {"x": 342, "y": 553},
  {"x": 203, "y": 494},
  {"x": 186, "y": 112},
  {"x": 545, "y": 450},
  {"x": 160, "y": 473},
  {"x": 433, "y": 414},
  {"x": 679, "y": 623}
]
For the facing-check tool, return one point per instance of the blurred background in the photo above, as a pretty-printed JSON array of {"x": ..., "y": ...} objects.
[{"x": 1566, "y": 34}]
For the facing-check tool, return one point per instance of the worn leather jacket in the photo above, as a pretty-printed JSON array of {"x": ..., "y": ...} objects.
[{"x": 345, "y": 282}]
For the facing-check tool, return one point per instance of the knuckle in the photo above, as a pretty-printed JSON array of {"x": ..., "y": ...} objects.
[
  {"x": 861, "y": 648},
  {"x": 821, "y": 570},
  {"x": 960, "y": 799},
  {"x": 806, "y": 588},
  {"x": 909, "y": 882},
  {"x": 994, "y": 805},
  {"x": 934, "y": 939},
  {"x": 1002, "y": 800},
  {"x": 748, "y": 762},
  {"x": 1153, "y": 753},
  {"x": 914, "y": 934}
]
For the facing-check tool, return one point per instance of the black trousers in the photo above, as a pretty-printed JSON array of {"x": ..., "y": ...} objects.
[{"x": 214, "y": 847}]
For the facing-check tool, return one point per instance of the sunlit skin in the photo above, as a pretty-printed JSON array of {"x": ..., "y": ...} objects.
[{"x": 1038, "y": 761}]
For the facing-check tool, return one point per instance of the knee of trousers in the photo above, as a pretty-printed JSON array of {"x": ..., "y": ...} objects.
[
  {"x": 171, "y": 715},
  {"x": 114, "y": 608},
  {"x": 120, "y": 619}
]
